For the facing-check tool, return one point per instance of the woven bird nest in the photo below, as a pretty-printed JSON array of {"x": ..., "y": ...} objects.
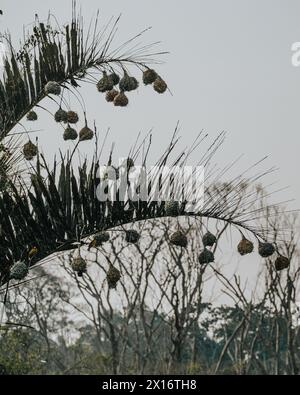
[
  {"x": 19, "y": 271},
  {"x": 70, "y": 134},
  {"x": 205, "y": 257},
  {"x": 282, "y": 263},
  {"x": 209, "y": 239},
  {"x": 121, "y": 100},
  {"x": 110, "y": 95},
  {"x": 52, "y": 88},
  {"x": 128, "y": 83},
  {"x": 72, "y": 117},
  {"x": 114, "y": 77},
  {"x": 61, "y": 116},
  {"x": 179, "y": 239},
  {"x": 30, "y": 150},
  {"x": 105, "y": 83},
  {"x": 149, "y": 76},
  {"x": 79, "y": 265},
  {"x": 245, "y": 246},
  {"x": 132, "y": 236},
  {"x": 86, "y": 134},
  {"x": 113, "y": 276},
  {"x": 266, "y": 249},
  {"x": 160, "y": 85},
  {"x": 32, "y": 116}
]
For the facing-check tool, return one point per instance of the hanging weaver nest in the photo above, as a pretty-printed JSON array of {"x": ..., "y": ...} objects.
[
  {"x": 128, "y": 83},
  {"x": 121, "y": 100},
  {"x": 160, "y": 85},
  {"x": 53, "y": 88},
  {"x": 113, "y": 276},
  {"x": 98, "y": 239},
  {"x": 209, "y": 239},
  {"x": 172, "y": 208},
  {"x": 206, "y": 256},
  {"x": 110, "y": 95},
  {"x": 245, "y": 246},
  {"x": 72, "y": 117},
  {"x": 86, "y": 134},
  {"x": 179, "y": 239},
  {"x": 266, "y": 249},
  {"x": 70, "y": 134},
  {"x": 149, "y": 76},
  {"x": 132, "y": 236},
  {"x": 61, "y": 116},
  {"x": 79, "y": 265},
  {"x": 114, "y": 78},
  {"x": 30, "y": 150},
  {"x": 18, "y": 271},
  {"x": 105, "y": 84},
  {"x": 282, "y": 263},
  {"x": 32, "y": 116}
]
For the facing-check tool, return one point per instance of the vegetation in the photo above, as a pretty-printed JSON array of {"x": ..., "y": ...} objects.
[
  {"x": 161, "y": 318},
  {"x": 127, "y": 292}
]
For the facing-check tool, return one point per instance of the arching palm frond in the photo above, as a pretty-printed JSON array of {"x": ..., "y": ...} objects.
[
  {"x": 64, "y": 55},
  {"x": 61, "y": 207},
  {"x": 56, "y": 211}
]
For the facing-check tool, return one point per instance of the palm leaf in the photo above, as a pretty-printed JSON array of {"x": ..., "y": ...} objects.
[
  {"x": 58, "y": 209},
  {"x": 61, "y": 208},
  {"x": 64, "y": 56}
]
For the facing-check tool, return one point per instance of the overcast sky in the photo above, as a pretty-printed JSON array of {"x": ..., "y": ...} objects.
[{"x": 229, "y": 68}]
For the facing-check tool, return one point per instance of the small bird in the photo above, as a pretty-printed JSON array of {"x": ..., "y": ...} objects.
[
  {"x": 32, "y": 252},
  {"x": 93, "y": 244},
  {"x": 99, "y": 239}
]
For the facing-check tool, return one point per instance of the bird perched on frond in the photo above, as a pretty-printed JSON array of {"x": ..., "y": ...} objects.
[
  {"x": 99, "y": 239},
  {"x": 34, "y": 250}
]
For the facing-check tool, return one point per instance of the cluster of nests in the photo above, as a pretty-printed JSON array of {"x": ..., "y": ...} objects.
[
  {"x": 107, "y": 84},
  {"x": 178, "y": 239},
  {"x": 30, "y": 150},
  {"x": 21, "y": 269},
  {"x": 127, "y": 83},
  {"x": 79, "y": 265},
  {"x": 244, "y": 247},
  {"x": 206, "y": 256}
]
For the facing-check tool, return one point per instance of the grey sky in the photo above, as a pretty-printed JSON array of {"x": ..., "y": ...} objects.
[{"x": 229, "y": 69}]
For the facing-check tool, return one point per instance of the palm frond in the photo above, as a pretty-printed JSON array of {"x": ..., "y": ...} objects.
[
  {"x": 64, "y": 55},
  {"x": 60, "y": 207}
]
